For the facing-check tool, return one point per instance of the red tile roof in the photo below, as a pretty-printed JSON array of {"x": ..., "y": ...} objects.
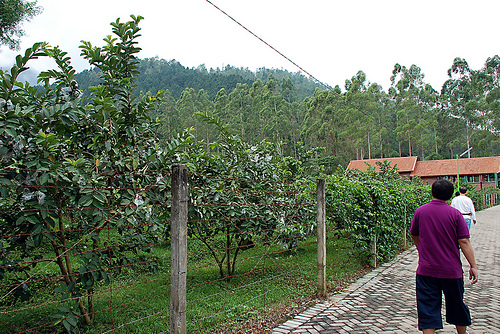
[
  {"x": 404, "y": 164},
  {"x": 433, "y": 168},
  {"x": 471, "y": 166}
]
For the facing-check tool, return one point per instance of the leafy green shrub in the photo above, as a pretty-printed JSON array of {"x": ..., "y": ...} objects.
[
  {"x": 245, "y": 194},
  {"x": 374, "y": 204},
  {"x": 72, "y": 168}
]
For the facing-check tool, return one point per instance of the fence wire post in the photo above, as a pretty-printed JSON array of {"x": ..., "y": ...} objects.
[
  {"x": 374, "y": 251},
  {"x": 178, "y": 245},
  {"x": 321, "y": 240}
]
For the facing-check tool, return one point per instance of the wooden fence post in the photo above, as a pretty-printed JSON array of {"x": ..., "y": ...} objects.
[
  {"x": 178, "y": 245},
  {"x": 405, "y": 241},
  {"x": 374, "y": 251},
  {"x": 321, "y": 239}
]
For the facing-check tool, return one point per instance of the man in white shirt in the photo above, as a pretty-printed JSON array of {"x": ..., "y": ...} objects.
[{"x": 464, "y": 204}]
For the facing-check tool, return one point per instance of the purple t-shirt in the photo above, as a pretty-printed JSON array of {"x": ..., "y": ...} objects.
[{"x": 439, "y": 226}]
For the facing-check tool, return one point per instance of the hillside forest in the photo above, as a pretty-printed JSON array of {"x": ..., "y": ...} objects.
[{"x": 357, "y": 121}]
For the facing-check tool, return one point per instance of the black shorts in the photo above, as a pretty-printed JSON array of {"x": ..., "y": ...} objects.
[{"x": 429, "y": 302}]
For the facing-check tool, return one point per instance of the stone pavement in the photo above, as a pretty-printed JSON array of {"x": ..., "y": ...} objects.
[{"x": 383, "y": 301}]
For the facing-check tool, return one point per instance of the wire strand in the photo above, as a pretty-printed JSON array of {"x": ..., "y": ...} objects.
[{"x": 269, "y": 45}]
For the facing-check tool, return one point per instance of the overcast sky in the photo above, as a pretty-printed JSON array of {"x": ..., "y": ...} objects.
[{"x": 330, "y": 39}]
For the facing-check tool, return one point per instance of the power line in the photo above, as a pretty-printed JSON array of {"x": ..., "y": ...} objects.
[{"x": 269, "y": 45}]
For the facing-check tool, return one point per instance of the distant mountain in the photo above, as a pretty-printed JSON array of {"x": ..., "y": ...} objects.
[{"x": 157, "y": 74}]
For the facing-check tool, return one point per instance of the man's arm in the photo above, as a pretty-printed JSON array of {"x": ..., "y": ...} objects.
[
  {"x": 466, "y": 248},
  {"x": 472, "y": 211},
  {"x": 416, "y": 239}
]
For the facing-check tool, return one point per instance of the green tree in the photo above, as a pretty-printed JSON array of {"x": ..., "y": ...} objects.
[
  {"x": 463, "y": 97},
  {"x": 382, "y": 119},
  {"x": 240, "y": 113},
  {"x": 169, "y": 115},
  {"x": 62, "y": 152},
  {"x": 491, "y": 110},
  {"x": 288, "y": 90},
  {"x": 274, "y": 111},
  {"x": 204, "y": 104},
  {"x": 186, "y": 106},
  {"x": 413, "y": 99},
  {"x": 241, "y": 196},
  {"x": 363, "y": 101},
  {"x": 371, "y": 204},
  {"x": 220, "y": 104},
  {"x": 324, "y": 126},
  {"x": 12, "y": 15}
]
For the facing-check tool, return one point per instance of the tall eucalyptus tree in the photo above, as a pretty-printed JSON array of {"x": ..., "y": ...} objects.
[
  {"x": 413, "y": 98},
  {"x": 324, "y": 123},
  {"x": 358, "y": 117},
  {"x": 240, "y": 114},
  {"x": 365, "y": 107},
  {"x": 491, "y": 108},
  {"x": 462, "y": 95}
]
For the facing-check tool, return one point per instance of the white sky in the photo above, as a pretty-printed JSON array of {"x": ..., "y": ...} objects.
[{"x": 330, "y": 39}]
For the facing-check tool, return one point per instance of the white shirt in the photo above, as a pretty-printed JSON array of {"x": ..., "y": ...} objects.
[{"x": 464, "y": 204}]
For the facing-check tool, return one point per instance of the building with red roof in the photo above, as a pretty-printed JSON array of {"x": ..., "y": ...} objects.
[
  {"x": 484, "y": 172},
  {"x": 405, "y": 165}
]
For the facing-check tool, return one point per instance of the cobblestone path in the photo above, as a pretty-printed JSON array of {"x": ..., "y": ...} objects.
[{"x": 383, "y": 301}]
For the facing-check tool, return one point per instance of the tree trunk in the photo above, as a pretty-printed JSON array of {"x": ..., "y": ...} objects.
[
  {"x": 369, "y": 147},
  {"x": 65, "y": 267},
  {"x": 381, "y": 146},
  {"x": 422, "y": 146},
  {"x": 435, "y": 141},
  {"x": 468, "y": 138},
  {"x": 228, "y": 254},
  {"x": 409, "y": 143}
]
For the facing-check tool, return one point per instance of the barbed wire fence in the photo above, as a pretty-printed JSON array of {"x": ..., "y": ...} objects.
[
  {"x": 238, "y": 258},
  {"x": 53, "y": 257},
  {"x": 205, "y": 251}
]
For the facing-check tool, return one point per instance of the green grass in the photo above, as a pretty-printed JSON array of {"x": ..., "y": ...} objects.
[{"x": 138, "y": 301}]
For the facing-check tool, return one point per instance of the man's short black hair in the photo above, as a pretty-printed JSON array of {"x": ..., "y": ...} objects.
[
  {"x": 442, "y": 189},
  {"x": 462, "y": 189}
]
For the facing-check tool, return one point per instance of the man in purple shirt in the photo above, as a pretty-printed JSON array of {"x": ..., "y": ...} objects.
[{"x": 439, "y": 232}]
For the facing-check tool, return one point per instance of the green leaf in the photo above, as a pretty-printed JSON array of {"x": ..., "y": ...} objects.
[
  {"x": 64, "y": 309},
  {"x": 62, "y": 287},
  {"x": 58, "y": 316},
  {"x": 33, "y": 219},
  {"x": 44, "y": 178},
  {"x": 37, "y": 240},
  {"x": 106, "y": 277},
  {"x": 5, "y": 181},
  {"x": 99, "y": 195},
  {"x": 11, "y": 132},
  {"x": 67, "y": 325},
  {"x": 85, "y": 200},
  {"x": 73, "y": 321}
]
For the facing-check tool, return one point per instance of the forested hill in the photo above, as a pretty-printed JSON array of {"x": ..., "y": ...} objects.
[
  {"x": 157, "y": 74},
  {"x": 364, "y": 121}
]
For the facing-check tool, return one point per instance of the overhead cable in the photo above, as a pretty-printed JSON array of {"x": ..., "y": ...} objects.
[{"x": 269, "y": 45}]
